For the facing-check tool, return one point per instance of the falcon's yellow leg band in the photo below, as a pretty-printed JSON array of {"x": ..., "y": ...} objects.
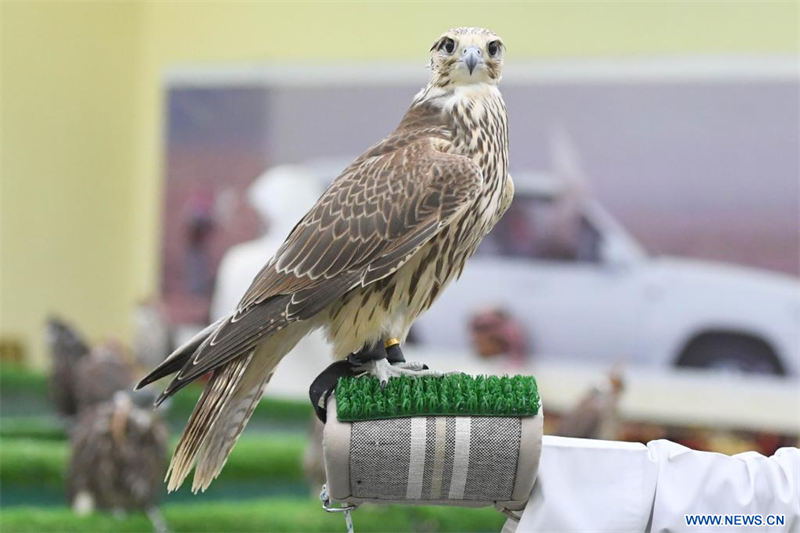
[{"x": 391, "y": 342}]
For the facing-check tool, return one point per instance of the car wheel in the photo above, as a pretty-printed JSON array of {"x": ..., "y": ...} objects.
[{"x": 731, "y": 353}]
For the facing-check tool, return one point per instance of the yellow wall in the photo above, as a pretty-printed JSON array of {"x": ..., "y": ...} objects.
[
  {"x": 82, "y": 111},
  {"x": 68, "y": 132}
]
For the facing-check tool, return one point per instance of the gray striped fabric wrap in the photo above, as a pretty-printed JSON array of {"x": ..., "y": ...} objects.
[{"x": 470, "y": 461}]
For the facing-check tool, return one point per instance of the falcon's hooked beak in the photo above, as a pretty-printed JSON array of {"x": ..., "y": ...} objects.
[{"x": 471, "y": 56}]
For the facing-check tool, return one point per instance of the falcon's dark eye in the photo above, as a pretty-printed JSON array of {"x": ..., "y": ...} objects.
[
  {"x": 448, "y": 45},
  {"x": 493, "y": 48}
]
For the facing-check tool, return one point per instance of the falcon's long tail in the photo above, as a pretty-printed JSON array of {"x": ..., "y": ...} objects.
[{"x": 224, "y": 407}]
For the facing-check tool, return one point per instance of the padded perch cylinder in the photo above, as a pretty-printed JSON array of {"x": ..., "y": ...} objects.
[{"x": 448, "y": 440}]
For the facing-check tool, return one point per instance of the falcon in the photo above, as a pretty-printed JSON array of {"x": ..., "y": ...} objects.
[
  {"x": 67, "y": 348},
  {"x": 118, "y": 452},
  {"x": 390, "y": 232}
]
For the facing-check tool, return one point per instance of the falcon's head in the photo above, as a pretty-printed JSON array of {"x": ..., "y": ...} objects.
[{"x": 463, "y": 56}]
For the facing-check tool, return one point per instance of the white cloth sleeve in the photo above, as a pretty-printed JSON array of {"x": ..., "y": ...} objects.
[{"x": 604, "y": 486}]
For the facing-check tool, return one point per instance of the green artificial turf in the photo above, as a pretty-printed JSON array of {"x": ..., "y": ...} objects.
[
  {"x": 30, "y": 462},
  {"x": 285, "y": 515},
  {"x": 362, "y": 398}
]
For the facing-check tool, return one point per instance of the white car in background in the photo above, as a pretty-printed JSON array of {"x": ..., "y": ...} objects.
[{"x": 583, "y": 288}]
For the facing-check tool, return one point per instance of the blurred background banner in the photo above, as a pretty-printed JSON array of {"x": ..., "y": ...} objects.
[{"x": 155, "y": 154}]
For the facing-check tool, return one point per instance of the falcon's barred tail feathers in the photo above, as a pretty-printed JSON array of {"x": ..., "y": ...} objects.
[
  {"x": 225, "y": 406},
  {"x": 218, "y": 392},
  {"x": 370, "y": 256}
]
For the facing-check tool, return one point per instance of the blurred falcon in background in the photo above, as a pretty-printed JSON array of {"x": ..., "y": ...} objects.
[
  {"x": 67, "y": 348},
  {"x": 118, "y": 454},
  {"x": 373, "y": 253}
]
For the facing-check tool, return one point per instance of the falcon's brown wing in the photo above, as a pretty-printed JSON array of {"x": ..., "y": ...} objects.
[
  {"x": 366, "y": 225},
  {"x": 378, "y": 212}
]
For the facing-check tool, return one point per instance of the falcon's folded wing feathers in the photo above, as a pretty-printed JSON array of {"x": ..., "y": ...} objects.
[
  {"x": 367, "y": 224},
  {"x": 384, "y": 205}
]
